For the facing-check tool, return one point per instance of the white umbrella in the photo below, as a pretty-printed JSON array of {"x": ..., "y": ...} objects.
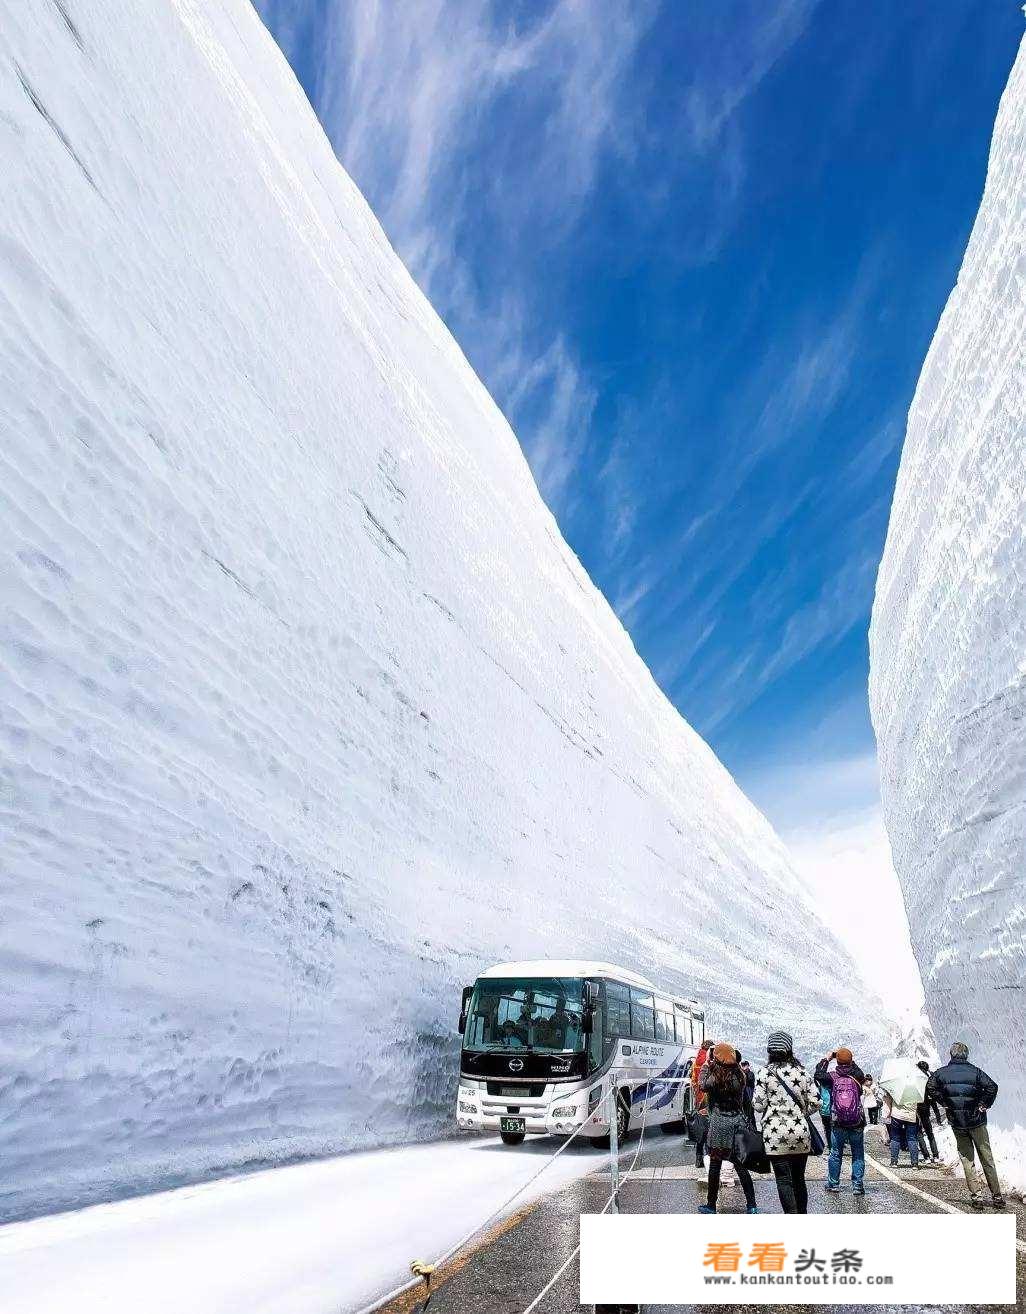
[{"x": 903, "y": 1081}]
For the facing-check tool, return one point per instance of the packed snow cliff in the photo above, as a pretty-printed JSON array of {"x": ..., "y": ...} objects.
[
  {"x": 308, "y": 713},
  {"x": 948, "y": 643}
]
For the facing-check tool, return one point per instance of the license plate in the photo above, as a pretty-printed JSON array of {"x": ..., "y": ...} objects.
[
  {"x": 521, "y": 1092},
  {"x": 513, "y": 1124}
]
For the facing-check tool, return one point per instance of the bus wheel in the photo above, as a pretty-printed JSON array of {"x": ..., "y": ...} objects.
[
  {"x": 623, "y": 1118},
  {"x": 512, "y": 1138}
]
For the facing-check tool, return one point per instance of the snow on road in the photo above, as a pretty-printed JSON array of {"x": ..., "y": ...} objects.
[{"x": 314, "y": 1238}]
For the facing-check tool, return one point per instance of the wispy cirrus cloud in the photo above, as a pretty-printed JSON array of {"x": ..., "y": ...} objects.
[
  {"x": 562, "y": 401},
  {"x": 775, "y": 419},
  {"x": 485, "y": 125},
  {"x": 729, "y": 71},
  {"x": 720, "y": 686},
  {"x": 480, "y": 132},
  {"x": 412, "y": 96}
]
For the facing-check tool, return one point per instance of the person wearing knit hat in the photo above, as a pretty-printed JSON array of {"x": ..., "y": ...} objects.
[
  {"x": 780, "y": 1043},
  {"x": 847, "y": 1117},
  {"x": 725, "y": 1054},
  {"x": 784, "y": 1099}
]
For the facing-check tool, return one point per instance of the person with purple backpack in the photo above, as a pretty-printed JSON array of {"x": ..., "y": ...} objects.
[{"x": 847, "y": 1119}]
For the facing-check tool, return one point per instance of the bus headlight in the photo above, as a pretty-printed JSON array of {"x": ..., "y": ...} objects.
[{"x": 565, "y": 1111}]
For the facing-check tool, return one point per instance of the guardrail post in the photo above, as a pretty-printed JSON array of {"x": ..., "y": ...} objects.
[{"x": 614, "y": 1144}]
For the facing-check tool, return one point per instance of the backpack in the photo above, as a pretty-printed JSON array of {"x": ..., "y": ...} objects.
[
  {"x": 847, "y": 1101},
  {"x": 824, "y": 1101}
]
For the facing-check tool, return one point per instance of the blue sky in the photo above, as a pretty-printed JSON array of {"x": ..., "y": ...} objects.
[{"x": 697, "y": 252}]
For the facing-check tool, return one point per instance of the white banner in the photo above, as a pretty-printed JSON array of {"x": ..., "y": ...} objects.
[{"x": 808, "y": 1259}]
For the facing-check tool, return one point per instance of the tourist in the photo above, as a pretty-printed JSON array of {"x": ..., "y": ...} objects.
[
  {"x": 966, "y": 1092},
  {"x": 723, "y": 1083},
  {"x": 848, "y": 1121},
  {"x": 926, "y": 1110},
  {"x": 902, "y": 1128},
  {"x": 871, "y": 1100},
  {"x": 785, "y": 1096},
  {"x": 700, "y": 1123}
]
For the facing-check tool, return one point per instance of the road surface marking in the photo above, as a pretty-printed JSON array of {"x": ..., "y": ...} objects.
[{"x": 924, "y": 1195}]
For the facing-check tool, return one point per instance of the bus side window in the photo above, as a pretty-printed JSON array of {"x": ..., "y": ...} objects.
[
  {"x": 683, "y": 1027},
  {"x": 618, "y": 1012},
  {"x": 642, "y": 1015},
  {"x": 664, "y": 1021}
]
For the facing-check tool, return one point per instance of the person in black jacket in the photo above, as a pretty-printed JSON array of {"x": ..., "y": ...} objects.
[
  {"x": 928, "y": 1110},
  {"x": 746, "y": 1068},
  {"x": 966, "y": 1092}
]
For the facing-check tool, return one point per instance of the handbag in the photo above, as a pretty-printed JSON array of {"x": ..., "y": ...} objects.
[
  {"x": 818, "y": 1145},
  {"x": 750, "y": 1149}
]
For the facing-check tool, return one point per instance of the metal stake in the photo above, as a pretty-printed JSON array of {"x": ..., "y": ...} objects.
[{"x": 614, "y": 1145}]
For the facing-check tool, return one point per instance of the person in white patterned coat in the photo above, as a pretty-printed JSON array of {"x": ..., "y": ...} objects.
[{"x": 785, "y": 1096}]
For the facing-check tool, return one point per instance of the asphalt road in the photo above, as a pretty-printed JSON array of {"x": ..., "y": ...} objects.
[{"x": 511, "y": 1265}]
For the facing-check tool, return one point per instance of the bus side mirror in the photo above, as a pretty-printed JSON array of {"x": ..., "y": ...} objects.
[
  {"x": 591, "y": 1003},
  {"x": 464, "y": 1005}
]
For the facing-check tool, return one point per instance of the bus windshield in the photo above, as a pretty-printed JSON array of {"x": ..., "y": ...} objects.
[{"x": 539, "y": 1013}]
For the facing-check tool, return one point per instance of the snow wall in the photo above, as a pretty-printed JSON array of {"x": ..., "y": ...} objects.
[
  {"x": 948, "y": 642},
  {"x": 308, "y": 712}
]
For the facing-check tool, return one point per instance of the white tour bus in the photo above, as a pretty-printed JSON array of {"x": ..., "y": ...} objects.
[{"x": 541, "y": 1040}]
